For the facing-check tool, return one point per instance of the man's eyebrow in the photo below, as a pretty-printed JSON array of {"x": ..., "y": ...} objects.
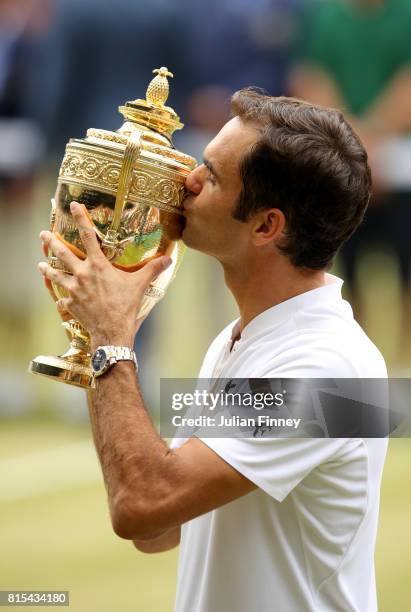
[{"x": 210, "y": 166}]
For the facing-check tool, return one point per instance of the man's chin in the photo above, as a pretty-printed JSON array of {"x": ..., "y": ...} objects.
[
  {"x": 189, "y": 238},
  {"x": 186, "y": 236}
]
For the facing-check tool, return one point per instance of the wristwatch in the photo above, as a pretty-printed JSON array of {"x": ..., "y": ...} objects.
[{"x": 106, "y": 356}]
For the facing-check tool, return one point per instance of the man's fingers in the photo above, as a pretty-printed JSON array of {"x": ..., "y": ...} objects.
[
  {"x": 50, "y": 289},
  {"x": 59, "y": 250},
  {"x": 62, "y": 307},
  {"x": 154, "y": 268},
  {"x": 86, "y": 230},
  {"x": 60, "y": 304},
  {"x": 56, "y": 276}
]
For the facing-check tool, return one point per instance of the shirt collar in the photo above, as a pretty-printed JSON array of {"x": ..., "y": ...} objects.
[{"x": 330, "y": 292}]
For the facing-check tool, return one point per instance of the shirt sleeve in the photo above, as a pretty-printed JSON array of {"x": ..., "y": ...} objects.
[{"x": 276, "y": 465}]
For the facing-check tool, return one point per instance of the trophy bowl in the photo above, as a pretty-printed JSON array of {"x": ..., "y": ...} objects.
[{"x": 131, "y": 183}]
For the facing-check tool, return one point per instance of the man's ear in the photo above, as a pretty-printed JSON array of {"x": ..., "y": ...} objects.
[{"x": 267, "y": 226}]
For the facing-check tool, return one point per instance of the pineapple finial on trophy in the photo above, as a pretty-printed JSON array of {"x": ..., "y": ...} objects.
[{"x": 158, "y": 89}]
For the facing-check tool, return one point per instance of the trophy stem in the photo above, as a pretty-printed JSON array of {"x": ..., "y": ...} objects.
[{"x": 74, "y": 366}]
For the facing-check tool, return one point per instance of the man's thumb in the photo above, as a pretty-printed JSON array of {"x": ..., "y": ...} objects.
[{"x": 155, "y": 267}]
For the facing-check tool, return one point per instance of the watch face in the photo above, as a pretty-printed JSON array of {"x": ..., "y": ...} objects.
[{"x": 99, "y": 359}]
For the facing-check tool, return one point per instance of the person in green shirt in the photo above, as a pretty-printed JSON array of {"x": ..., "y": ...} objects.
[{"x": 356, "y": 55}]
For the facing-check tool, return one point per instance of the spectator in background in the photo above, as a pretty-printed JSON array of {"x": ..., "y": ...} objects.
[
  {"x": 21, "y": 141},
  {"x": 232, "y": 44},
  {"x": 98, "y": 55},
  {"x": 22, "y": 22},
  {"x": 356, "y": 55}
]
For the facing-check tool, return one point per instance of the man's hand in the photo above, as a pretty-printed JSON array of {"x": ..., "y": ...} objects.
[
  {"x": 65, "y": 316},
  {"x": 106, "y": 301}
]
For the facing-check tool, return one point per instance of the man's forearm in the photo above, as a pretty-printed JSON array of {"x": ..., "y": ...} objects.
[
  {"x": 390, "y": 113},
  {"x": 316, "y": 85},
  {"x": 130, "y": 450}
]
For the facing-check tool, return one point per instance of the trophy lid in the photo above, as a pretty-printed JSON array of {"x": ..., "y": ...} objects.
[
  {"x": 107, "y": 162},
  {"x": 152, "y": 112}
]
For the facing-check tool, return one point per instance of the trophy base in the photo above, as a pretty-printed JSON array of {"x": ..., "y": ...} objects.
[{"x": 62, "y": 370}]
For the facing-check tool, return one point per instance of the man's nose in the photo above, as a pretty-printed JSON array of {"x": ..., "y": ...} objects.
[{"x": 193, "y": 182}]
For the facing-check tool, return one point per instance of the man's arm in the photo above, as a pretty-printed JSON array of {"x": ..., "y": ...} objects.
[
  {"x": 389, "y": 114},
  {"x": 312, "y": 83},
  {"x": 151, "y": 488},
  {"x": 166, "y": 541}
]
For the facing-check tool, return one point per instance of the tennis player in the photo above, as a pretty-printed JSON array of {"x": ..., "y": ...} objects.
[{"x": 285, "y": 524}]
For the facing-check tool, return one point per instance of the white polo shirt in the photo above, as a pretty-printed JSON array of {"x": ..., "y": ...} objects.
[{"x": 304, "y": 539}]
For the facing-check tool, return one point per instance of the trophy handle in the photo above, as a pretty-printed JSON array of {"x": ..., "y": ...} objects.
[
  {"x": 131, "y": 154},
  {"x": 53, "y": 214}
]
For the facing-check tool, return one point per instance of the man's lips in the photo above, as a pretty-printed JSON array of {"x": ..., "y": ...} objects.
[{"x": 187, "y": 204}]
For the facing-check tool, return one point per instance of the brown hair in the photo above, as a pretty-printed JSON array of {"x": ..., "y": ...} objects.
[{"x": 310, "y": 164}]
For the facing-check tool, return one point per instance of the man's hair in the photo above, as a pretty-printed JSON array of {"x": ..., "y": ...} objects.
[{"x": 310, "y": 164}]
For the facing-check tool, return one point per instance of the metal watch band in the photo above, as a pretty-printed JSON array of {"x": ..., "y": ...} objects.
[{"x": 121, "y": 353}]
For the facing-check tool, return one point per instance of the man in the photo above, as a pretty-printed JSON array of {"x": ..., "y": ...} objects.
[
  {"x": 356, "y": 55},
  {"x": 286, "y": 524}
]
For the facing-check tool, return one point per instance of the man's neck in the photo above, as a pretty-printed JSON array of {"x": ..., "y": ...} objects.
[{"x": 259, "y": 285}]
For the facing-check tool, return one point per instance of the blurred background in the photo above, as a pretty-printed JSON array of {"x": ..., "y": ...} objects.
[{"x": 65, "y": 66}]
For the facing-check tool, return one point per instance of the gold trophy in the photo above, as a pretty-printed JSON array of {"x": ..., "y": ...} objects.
[{"x": 132, "y": 184}]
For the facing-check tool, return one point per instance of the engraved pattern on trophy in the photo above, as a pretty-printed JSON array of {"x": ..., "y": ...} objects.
[
  {"x": 106, "y": 135},
  {"x": 99, "y": 172},
  {"x": 131, "y": 183}
]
